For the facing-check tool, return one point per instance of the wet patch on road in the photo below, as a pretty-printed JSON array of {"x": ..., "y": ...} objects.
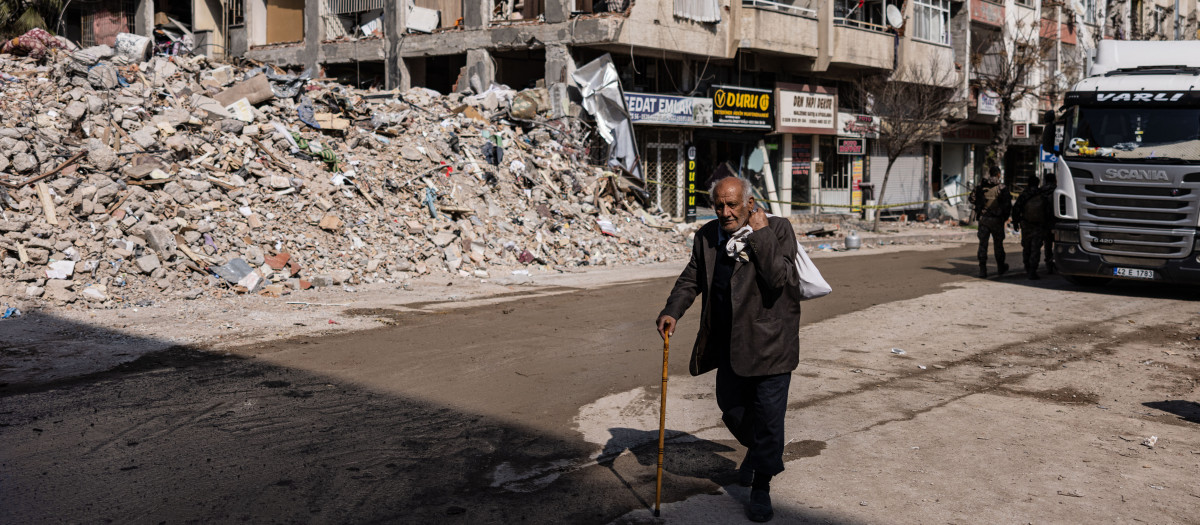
[
  {"x": 807, "y": 448},
  {"x": 1062, "y": 396},
  {"x": 539, "y": 291}
]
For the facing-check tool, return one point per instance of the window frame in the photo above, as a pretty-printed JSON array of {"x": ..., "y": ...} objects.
[
  {"x": 1159, "y": 14},
  {"x": 925, "y": 13}
]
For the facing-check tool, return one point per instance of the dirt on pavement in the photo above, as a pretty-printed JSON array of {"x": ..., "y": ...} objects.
[{"x": 541, "y": 406}]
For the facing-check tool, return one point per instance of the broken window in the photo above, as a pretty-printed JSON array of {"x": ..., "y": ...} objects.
[{"x": 352, "y": 18}]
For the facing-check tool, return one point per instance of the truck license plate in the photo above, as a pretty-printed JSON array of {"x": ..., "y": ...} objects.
[{"x": 1134, "y": 273}]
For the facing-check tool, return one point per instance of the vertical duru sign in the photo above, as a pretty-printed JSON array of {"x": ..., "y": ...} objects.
[{"x": 691, "y": 183}]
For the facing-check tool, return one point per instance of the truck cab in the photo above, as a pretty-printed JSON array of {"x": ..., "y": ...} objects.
[{"x": 1127, "y": 204}]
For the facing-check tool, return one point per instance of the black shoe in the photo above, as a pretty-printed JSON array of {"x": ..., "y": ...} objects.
[
  {"x": 1034, "y": 276},
  {"x": 1001, "y": 268},
  {"x": 983, "y": 272},
  {"x": 759, "y": 509},
  {"x": 1050, "y": 269}
]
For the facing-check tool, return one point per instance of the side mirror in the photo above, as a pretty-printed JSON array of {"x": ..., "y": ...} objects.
[{"x": 1051, "y": 136}]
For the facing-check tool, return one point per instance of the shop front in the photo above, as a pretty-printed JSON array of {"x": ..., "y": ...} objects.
[
  {"x": 664, "y": 127},
  {"x": 738, "y": 142},
  {"x": 961, "y": 155},
  {"x": 806, "y": 122},
  {"x": 852, "y": 160},
  {"x": 1022, "y": 162}
]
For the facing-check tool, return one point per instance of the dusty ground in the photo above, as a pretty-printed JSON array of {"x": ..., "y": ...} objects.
[
  {"x": 1015, "y": 402},
  {"x": 540, "y": 405},
  {"x": 49, "y": 343}
]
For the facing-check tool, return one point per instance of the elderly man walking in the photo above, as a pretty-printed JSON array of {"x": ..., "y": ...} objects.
[{"x": 743, "y": 264}]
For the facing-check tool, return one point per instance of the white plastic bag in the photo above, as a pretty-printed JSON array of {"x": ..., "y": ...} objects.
[{"x": 812, "y": 285}]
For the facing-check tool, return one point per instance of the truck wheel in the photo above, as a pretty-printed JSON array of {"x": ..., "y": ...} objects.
[{"x": 1087, "y": 280}]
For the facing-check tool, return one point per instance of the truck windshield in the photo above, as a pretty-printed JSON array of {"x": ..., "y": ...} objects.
[{"x": 1166, "y": 134}]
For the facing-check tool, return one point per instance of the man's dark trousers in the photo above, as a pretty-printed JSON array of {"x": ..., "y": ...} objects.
[
  {"x": 1033, "y": 237},
  {"x": 992, "y": 227},
  {"x": 753, "y": 409},
  {"x": 1048, "y": 242}
]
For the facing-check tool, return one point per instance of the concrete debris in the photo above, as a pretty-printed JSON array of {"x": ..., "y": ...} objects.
[{"x": 125, "y": 179}]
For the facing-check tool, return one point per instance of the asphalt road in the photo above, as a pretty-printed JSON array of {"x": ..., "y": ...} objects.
[{"x": 447, "y": 415}]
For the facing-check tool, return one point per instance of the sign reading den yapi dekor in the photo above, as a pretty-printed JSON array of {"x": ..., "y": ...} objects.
[{"x": 741, "y": 107}]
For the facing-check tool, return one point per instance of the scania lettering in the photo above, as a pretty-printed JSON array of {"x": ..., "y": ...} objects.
[
  {"x": 1136, "y": 174},
  {"x": 1127, "y": 205}
]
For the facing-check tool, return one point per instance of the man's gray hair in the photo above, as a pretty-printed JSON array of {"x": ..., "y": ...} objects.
[{"x": 747, "y": 189}]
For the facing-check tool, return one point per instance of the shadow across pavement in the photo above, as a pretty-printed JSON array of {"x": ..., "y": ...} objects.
[
  {"x": 186, "y": 434},
  {"x": 1186, "y": 410}
]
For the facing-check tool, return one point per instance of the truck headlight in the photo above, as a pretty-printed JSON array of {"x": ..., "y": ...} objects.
[{"x": 1068, "y": 236}]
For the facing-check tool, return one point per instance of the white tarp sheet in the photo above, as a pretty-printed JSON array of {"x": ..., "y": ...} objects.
[
  {"x": 698, "y": 10},
  {"x": 604, "y": 99}
]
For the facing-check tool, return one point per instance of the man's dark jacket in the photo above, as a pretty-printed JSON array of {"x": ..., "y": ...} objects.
[{"x": 764, "y": 291}]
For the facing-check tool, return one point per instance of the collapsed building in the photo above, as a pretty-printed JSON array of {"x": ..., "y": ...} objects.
[{"x": 126, "y": 178}]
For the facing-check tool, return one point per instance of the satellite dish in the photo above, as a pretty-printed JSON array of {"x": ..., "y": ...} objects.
[{"x": 894, "y": 16}]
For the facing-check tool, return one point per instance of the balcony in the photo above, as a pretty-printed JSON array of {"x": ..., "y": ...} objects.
[
  {"x": 987, "y": 13},
  {"x": 788, "y": 9},
  {"x": 931, "y": 61},
  {"x": 1052, "y": 30},
  {"x": 775, "y": 27},
  {"x": 861, "y": 44}
]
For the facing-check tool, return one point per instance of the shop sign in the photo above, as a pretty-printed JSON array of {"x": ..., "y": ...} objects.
[
  {"x": 739, "y": 107},
  {"x": 801, "y": 160},
  {"x": 690, "y": 217},
  {"x": 805, "y": 109},
  {"x": 851, "y": 146},
  {"x": 1046, "y": 156},
  {"x": 669, "y": 110},
  {"x": 855, "y": 125},
  {"x": 976, "y": 133},
  {"x": 1020, "y": 130},
  {"x": 856, "y": 177},
  {"x": 989, "y": 103}
]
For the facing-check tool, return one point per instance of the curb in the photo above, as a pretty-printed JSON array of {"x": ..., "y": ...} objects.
[{"x": 903, "y": 238}]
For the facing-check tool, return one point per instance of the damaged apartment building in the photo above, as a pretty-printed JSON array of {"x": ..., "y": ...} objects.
[{"x": 757, "y": 87}]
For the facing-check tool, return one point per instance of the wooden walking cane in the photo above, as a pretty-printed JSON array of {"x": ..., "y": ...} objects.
[{"x": 662, "y": 424}]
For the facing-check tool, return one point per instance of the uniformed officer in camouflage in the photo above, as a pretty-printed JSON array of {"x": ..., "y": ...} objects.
[
  {"x": 1031, "y": 216},
  {"x": 992, "y": 205},
  {"x": 1048, "y": 187}
]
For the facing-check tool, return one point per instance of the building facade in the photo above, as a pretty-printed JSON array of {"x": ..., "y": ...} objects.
[{"x": 686, "y": 65}]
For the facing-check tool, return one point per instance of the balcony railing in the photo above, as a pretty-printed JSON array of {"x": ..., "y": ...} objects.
[
  {"x": 343, "y": 7},
  {"x": 788, "y": 9},
  {"x": 850, "y": 22}
]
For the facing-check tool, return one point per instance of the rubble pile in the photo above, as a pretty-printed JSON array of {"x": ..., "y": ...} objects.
[{"x": 125, "y": 179}]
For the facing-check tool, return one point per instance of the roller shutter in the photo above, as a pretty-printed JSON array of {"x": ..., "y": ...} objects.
[{"x": 907, "y": 182}]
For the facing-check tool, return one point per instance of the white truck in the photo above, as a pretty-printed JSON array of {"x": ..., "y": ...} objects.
[{"x": 1127, "y": 204}]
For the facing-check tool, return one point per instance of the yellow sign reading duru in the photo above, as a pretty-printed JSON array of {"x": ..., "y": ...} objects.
[{"x": 757, "y": 101}]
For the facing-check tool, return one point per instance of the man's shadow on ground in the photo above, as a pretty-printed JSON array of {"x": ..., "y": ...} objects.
[{"x": 691, "y": 464}]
